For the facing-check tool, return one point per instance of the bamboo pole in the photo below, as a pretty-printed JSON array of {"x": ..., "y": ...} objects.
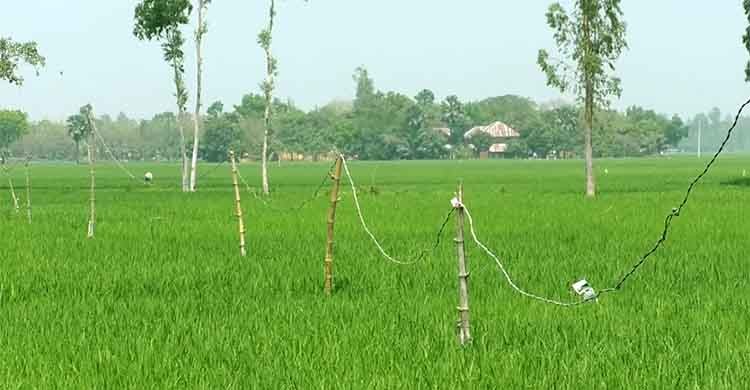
[
  {"x": 10, "y": 185},
  {"x": 238, "y": 203},
  {"x": 328, "y": 264},
  {"x": 92, "y": 197},
  {"x": 463, "y": 327},
  {"x": 28, "y": 188}
]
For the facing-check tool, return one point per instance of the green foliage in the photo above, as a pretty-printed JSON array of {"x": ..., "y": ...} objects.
[
  {"x": 45, "y": 140},
  {"x": 590, "y": 39},
  {"x": 454, "y": 116},
  {"x": 558, "y": 132},
  {"x": 78, "y": 127},
  {"x": 746, "y": 37},
  {"x": 13, "y": 125},
  {"x": 265, "y": 38},
  {"x": 518, "y": 112},
  {"x": 215, "y": 110},
  {"x": 221, "y": 134},
  {"x": 253, "y": 106},
  {"x": 365, "y": 88},
  {"x": 425, "y": 98},
  {"x": 481, "y": 142},
  {"x": 158, "y": 19},
  {"x": 12, "y": 54},
  {"x": 155, "y": 139},
  {"x": 161, "y": 20},
  {"x": 382, "y": 125}
]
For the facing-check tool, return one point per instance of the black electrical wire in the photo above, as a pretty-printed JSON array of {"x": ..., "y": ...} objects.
[{"x": 678, "y": 210}]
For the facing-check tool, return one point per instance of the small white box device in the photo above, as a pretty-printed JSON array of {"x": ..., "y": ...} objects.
[{"x": 583, "y": 289}]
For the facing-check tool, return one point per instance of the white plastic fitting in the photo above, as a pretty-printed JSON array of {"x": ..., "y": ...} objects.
[{"x": 583, "y": 289}]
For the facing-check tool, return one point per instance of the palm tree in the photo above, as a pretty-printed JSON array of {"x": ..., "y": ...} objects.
[{"x": 78, "y": 129}]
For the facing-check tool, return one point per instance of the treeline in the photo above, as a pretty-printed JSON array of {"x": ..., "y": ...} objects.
[{"x": 379, "y": 125}]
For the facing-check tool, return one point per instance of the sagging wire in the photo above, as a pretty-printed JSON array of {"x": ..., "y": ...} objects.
[
  {"x": 113, "y": 157},
  {"x": 382, "y": 251},
  {"x": 676, "y": 212},
  {"x": 130, "y": 174},
  {"x": 502, "y": 268},
  {"x": 295, "y": 209},
  {"x": 211, "y": 171}
]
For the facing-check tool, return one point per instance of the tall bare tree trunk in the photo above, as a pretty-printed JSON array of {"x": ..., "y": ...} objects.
[
  {"x": 185, "y": 168},
  {"x": 268, "y": 90},
  {"x": 78, "y": 152},
  {"x": 199, "y": 84},
  {"x": 264, "y": 162},
  {"x": 588, "y": 114},
  {"x": 181, "y": 128},
  {"x": 589, "y": 150},
  {"x": 92, "y": 194}
]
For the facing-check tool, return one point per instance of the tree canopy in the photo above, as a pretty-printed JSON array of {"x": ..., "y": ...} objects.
[
  {"x": 13, "y": 125},
  {"x": 13, "y": 54}
]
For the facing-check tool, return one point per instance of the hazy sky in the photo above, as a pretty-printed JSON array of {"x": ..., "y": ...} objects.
[{"x": 684, "y": 56}]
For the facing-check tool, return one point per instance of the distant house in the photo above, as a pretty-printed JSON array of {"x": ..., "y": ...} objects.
[{"x": 500, "y": 134}]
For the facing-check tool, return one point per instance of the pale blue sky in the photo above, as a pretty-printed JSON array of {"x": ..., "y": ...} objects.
[{"x": 684, "y": 56}]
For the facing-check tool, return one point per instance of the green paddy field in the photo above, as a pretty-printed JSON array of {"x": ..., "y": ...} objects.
[{"x": 161, "y": 299}]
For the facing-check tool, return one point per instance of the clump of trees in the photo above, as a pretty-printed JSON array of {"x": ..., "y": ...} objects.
[{"x": 387, "y": 125}]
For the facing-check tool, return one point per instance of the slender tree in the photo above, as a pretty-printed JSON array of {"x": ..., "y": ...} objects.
[
  {"x": 13, "y": 54},
  {"x": 200, "y": 32},
  {"x": 161, "y": 20},
  {"x": 264, "y": 39},
  {"x": 590, "y": 39}
]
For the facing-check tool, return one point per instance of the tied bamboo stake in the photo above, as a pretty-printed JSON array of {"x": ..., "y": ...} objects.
[
  {"x": 463, "y": 327},
  {"x": 12, "y": 188},
  {"x": 28, "y": 189},
  {"x": 240, "y": 222},
  {"x": 328, "y": 265},
  {"x": 92, "y": 172}
]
